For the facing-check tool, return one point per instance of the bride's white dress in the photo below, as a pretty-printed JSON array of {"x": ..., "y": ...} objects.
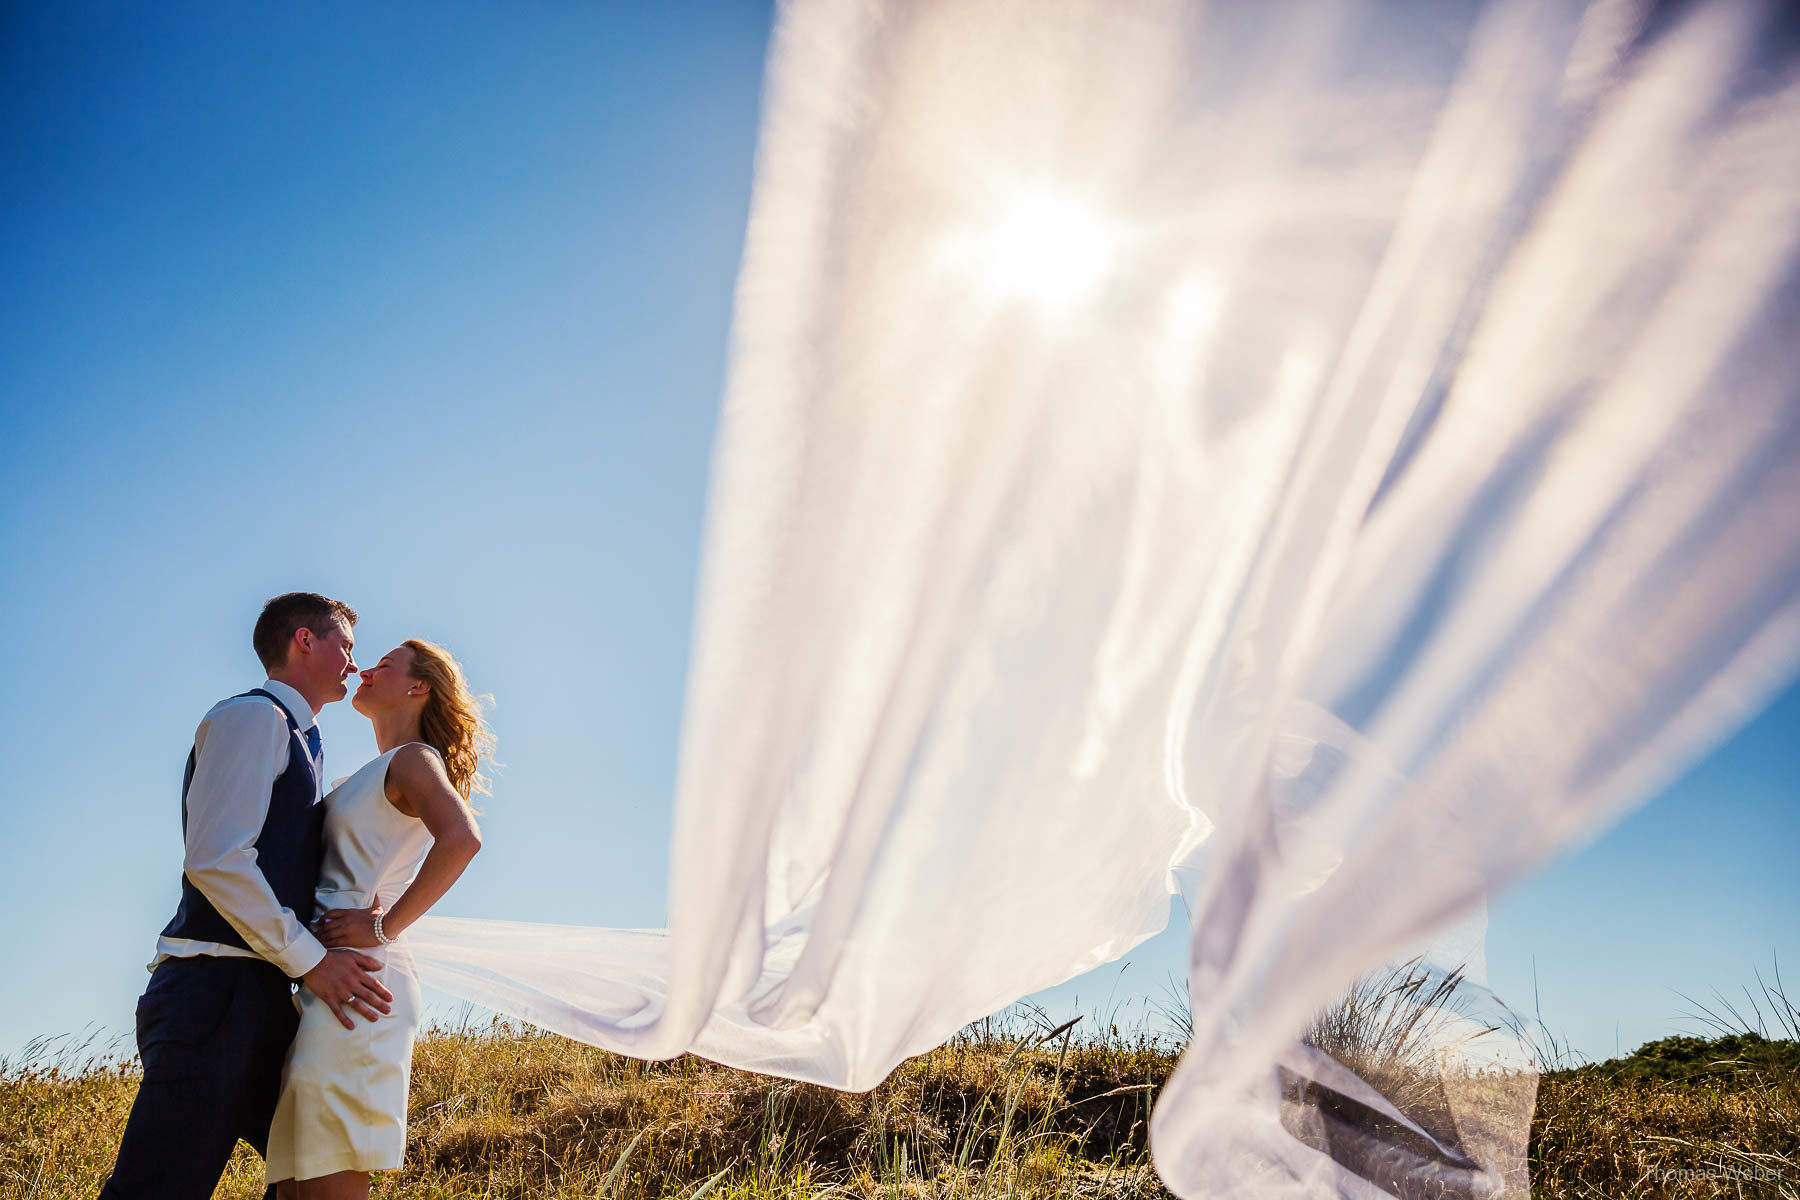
[{"x": 343, "y": 1093}]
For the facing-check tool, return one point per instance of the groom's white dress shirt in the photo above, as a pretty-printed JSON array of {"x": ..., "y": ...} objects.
[{"x": 240, "y": 749}]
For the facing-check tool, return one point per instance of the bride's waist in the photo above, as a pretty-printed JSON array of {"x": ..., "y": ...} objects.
[{"x": 352, "y": 897}]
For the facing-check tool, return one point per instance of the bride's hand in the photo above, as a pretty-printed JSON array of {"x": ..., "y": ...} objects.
[{"x": 353, "y": 927}]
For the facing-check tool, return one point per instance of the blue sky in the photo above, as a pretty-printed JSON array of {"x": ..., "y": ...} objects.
[{"x": 427, "y": 309}]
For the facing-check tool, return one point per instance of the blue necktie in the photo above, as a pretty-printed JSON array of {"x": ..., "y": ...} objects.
[{"x": 316, "y": 749}]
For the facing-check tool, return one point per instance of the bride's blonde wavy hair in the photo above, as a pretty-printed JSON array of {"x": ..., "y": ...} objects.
[{"x": 451, "y": 721}]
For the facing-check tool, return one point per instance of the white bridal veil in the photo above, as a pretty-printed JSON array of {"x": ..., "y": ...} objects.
[{"x": 1320, "y": 459}]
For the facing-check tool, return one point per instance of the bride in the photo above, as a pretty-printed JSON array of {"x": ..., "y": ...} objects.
[{"x": 401, "y": 825}]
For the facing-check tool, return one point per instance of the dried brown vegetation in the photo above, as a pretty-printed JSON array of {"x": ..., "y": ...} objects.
[{"x": 504, "y": 1112}]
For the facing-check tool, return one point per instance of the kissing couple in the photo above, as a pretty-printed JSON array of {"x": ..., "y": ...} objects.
[{"x": 282, "y": 882}]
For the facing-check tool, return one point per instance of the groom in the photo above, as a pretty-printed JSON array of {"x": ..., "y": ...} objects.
[{"x": 214, "y": 1025}]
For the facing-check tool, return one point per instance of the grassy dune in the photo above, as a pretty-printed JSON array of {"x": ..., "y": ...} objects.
[
  {"x": 504, "y": 1112},
  {"x": 508, "y": 1112}
]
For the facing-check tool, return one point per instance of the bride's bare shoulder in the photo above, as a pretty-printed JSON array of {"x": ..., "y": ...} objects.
[{"x": 414, "y": 769}]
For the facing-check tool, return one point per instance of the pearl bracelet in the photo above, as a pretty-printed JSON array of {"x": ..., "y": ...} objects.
[{"x": 381, "y": 937}]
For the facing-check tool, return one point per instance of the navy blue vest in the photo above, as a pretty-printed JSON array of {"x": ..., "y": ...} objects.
[{"x": 289, "y": 849}]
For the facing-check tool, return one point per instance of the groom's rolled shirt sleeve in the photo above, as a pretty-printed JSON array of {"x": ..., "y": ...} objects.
[{"x": 239, "y": 750}]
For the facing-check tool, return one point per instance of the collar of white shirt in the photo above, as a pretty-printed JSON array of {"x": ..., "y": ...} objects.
[{"x": 304, "y": 716}]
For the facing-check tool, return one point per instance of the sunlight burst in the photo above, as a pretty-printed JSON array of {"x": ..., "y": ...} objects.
[{"x": 1047, "y": 248}]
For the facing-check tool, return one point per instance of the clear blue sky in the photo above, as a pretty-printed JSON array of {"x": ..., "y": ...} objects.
[{"x": 427, "y": 309}]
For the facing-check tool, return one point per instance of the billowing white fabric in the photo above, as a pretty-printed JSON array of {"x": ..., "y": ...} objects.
[{"x": 1323, "y": 460}]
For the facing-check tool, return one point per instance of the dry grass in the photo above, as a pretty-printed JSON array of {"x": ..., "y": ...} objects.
[
  {"x": 1682, "y": 1118},
  {"x": 499, "y": 1111},
  {"x": 1731, "y": 1134},
  {"x": 504, "y": 1112},
  {"x": 62, "y": 1109}
]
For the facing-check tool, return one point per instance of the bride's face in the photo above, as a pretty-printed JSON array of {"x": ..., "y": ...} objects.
[{"x": 389, "y": 684}]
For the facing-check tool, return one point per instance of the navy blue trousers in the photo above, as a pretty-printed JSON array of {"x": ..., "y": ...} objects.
[{"x": 212, "y": 1033}]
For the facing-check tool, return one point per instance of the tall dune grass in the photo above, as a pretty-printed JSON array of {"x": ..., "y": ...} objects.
[
  {"x": 1009, "y": 1109},
  {"x": 1680, "y": 1117}
]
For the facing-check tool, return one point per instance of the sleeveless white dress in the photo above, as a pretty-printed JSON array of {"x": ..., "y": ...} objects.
[{"x": 343, "y": 1091}]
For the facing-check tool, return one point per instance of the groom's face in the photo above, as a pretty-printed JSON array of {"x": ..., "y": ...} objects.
[{"x": 333, "y": 662}]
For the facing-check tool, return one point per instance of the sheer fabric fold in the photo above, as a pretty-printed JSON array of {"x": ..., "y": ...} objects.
[{"x": 1321, "y": 461}]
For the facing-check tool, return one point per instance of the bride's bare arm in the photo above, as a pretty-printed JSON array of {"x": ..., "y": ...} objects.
[{"x": 417, "y": 786}]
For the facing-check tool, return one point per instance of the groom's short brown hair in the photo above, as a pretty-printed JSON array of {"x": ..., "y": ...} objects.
[{"x": 287, "y": 614}]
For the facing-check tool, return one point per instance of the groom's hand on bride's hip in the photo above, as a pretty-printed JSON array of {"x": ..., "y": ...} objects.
[{"x": 343, "y": 981}]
